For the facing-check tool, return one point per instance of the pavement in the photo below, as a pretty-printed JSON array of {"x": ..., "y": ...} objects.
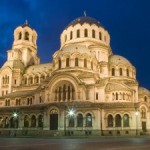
[{"x": 75, "y": 143}]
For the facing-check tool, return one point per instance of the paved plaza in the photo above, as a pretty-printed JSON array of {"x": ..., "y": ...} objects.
[{"x": 67, "y": 143}]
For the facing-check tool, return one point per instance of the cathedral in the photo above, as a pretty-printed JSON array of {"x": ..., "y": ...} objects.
[{"x": 85, "y": 89}]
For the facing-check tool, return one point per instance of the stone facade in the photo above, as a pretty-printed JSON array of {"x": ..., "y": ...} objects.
[{"x": 85, "y": 90}]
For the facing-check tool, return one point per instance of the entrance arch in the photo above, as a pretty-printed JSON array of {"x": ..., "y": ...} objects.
[{"x": 53, "y": 119}]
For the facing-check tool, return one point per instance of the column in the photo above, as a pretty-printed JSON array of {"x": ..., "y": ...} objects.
[{"x": 46, "y": 121}]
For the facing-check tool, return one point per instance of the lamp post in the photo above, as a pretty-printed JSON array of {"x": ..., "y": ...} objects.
[
  {"x": 69, "y": 113},
  {"x": 15, "y": 116},
  {"x": 136, "y": 114}
]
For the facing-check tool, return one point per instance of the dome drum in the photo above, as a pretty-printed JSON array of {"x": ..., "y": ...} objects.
[
  {"x": 121, "y": 67},
  {"x": 80, "y": 31},
  {"x": 75, "y": 56}
]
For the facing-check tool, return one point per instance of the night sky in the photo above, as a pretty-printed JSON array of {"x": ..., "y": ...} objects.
[{"x": 127, "y": 21}]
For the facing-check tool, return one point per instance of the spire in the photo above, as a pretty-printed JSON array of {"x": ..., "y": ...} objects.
[
  {"x": 26, "y": 22},
  {"x": 85, "y": 13}
]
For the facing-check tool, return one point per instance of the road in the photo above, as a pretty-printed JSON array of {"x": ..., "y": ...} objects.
[{"x": 98, "y": 143}]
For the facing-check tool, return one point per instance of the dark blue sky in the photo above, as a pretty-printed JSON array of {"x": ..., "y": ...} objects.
[{"x": 127, "y": 21}]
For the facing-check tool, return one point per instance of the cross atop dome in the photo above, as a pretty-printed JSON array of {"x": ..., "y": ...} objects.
[
  {"x": 26, "y": 22},
  {"x": 85, "y": 13}
]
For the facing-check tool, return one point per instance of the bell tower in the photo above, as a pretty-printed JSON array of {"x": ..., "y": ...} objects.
[{"x": 24, "y": 46}]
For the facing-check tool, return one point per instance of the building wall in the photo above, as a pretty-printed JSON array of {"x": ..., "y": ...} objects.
[{"x": 84, "y": 77}]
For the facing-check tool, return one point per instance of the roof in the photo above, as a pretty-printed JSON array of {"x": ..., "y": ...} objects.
[
  {"x": 39, "y": 68},
  {"x": 116, "y": 87},
  {"x": 26, "y": 25},
  {"x": 143, "y": 90},
  {"x": 74, "y": 48},
  {"x": 116, "y": 59},
  {"x": 14, "y": 64},
  {"x": 19, "y": 94},
  {"x": 85, "y": 19}
]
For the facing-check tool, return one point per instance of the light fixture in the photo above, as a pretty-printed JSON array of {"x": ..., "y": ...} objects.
[
  {"x": 15, "y": 115},
  {"x": 71, "y": 112},
  {"x": 136, "y": 113}
]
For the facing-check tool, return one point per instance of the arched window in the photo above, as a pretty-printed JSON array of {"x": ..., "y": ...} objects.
[
  {"x": 78, "y": 33},
  {"x": 33, "y": 121},
  {"x": 110, "y": 121},
  {"x": 40, "y": 121},
  {"x": 145, "y": 98},
  {"x": 126, "y": 120},
  {"x": 26, "y": 36},
  {"x": 59, "y": 63},
  {"x": 71, "y": 121},
  {"x": 113, "y": 72},
  {"x": 18, "y": 102},
  {"x": 88, "y": 120},
  {"x": 120, "y": 71},
  {"x": 118, "y": 120},
  {"x": 29, "y": 101},
  {"x": 20, "y": 36},
  {"x": 64, "y": 92},
  {"x": 31, "y": 80},
  {"x": 59, "y": 93},
  {"x": 128, "y": 72},
  {"x": 76, "y": 61},
  {"x": 85, "y": 63},
  {"x": 70, "y": 35},
  {"x": 67, "y": 62},
  {"x": 100, "y": 35},
  {"x": 143, "y": 113},
  {"x": 79, "y": 120},
  {"x": 93, "y": 33},
  {"x": 123, "y": 96},
  {"x": 7, "y": 102},
  {"x": 69, "y": 93},
  {"x": 85, "y": 33},
  {"x": 116, "y": 96}
]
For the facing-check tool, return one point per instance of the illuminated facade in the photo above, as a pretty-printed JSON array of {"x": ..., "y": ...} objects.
[{"x": 85, "y": 90}]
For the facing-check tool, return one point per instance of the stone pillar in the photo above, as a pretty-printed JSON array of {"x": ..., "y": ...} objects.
[
  {"x": 46, "y": 121},
  {"x": 20, "y": 122},
  {"x": 66, "y": 95},
  {"x": 75, "y": 121},
  {"x": 36, "y": 122},
  {"x": 70, "y": 94}
]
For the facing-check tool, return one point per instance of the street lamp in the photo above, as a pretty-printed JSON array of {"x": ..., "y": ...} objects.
[
  {"x": 136, "y": 114},
  {"x": 69, "y": 113},
  {"x": 15, "y": 123},
  {"x": 15, "y": 115}
]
